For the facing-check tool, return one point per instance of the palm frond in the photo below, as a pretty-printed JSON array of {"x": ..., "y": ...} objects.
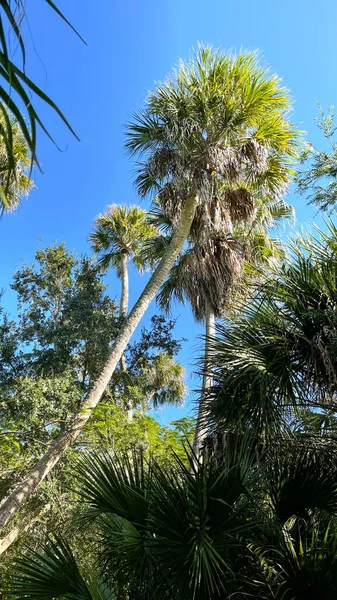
[
  {"x": 303, "y": 478},
  {"x": 51, "y": 574},
  {"x": 121, "y": 230},
  {"x": 18, "y": 89},
  {"x": 281, "y": 351},
  {"x": 155, "y": 521}
]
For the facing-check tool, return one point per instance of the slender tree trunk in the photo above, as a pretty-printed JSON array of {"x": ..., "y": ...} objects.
[
  {"x": 38, "y": 473},
  {"x": 123, "y": 312},
  {"x": 124, "y": 307},
  {"x": 124, "y": 303},
  {"x": 207, "y": 381},
  {"x": 15, "y": 533}
]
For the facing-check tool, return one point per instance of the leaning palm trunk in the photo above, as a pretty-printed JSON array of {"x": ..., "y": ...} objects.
[
  {"x": 15, "y": 500},
  {"x": 207, "y": 381}
]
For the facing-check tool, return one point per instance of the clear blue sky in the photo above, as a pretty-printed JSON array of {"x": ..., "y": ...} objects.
[{"x": 131, "y": 44}]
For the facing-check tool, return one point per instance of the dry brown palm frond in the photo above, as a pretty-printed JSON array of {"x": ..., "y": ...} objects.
[
  {"x": 255, "y": 155},
  {"x": 171, "y": 198},
  {"x": 241, "y": 205},
  {"x": 205, "y": 274},
  {"x": 224, "y": 161}
]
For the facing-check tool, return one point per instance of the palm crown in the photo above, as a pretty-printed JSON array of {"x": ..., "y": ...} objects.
[
  {"x": 165, "y": 380},
  {"x": 212, "y": 271},
  {"x": 121, "y": 230},
  {"x": 15, "y": 183},
  {"x": 218, "y": 129}
]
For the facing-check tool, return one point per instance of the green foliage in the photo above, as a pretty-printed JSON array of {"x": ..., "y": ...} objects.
[
  {"x": 48, "y": 358},
  {"x": 66, "y": 318},
  {"x": 302, "y": 478},
  {"x": 151, "y": 359},
  {"x": 279, "y": 355},
  {"x": 56, "y": 574},
  {"x": 109, "y": 428},
  {"x": 239, "y": 524},
  {"x": 318, "y": 180}
]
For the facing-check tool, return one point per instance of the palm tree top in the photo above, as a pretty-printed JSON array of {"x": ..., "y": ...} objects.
[
  {"x": 166, "y": 380},
  {"x": 15, "y": 182},
  {"x": 121, "y": 230},
  {"x": 221, "y": 120}
]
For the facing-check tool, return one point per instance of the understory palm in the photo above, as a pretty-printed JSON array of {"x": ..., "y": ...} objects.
[
  {"x": 278, "y": 358},
  {"x": 248, "y": 523}
]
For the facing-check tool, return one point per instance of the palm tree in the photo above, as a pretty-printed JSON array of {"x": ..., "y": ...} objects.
[
  {"x": 164, "y": 381},
  {"x": 279, "y": 356},
  {"x": 118, "y": 238},
  {"x": 210, "y": 131},
  {"x": 232, "y": 526},
  {"x": 209, "y": 274},
  {"x": 14, "y": 180}
]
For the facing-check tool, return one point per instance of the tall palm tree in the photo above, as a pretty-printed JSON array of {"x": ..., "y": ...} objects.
[
  {"x": 209, "y": 274},
  {"x": 219, "y": 124},
  {"x": 119, "y": 237},
  {"x": 14, "y": 179}
]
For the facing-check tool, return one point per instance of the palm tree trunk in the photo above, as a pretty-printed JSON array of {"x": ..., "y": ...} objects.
[
  {"x": 124, "y": 304},
  {"x": 207, "y": 381},
  {"x": 123, "y": 311},
  {"x": 17, "y": 497}
]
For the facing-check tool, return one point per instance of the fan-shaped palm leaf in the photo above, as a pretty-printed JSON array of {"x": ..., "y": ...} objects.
[
  {"x": 282, "y": 351},
  {"x": 308, "y": 566},
  {"x": 178, "y": 530},
  {"x": 302, "y": 478},
  {"x": 50, "y": 575}
]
